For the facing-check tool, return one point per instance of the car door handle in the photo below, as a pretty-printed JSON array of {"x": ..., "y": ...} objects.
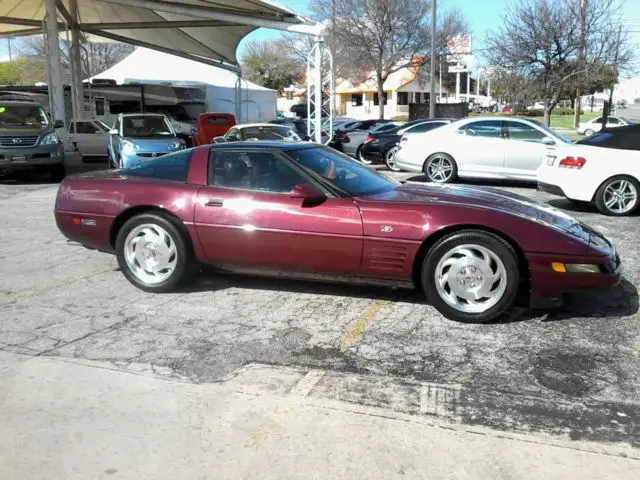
[{"x": 214, "y": 202}]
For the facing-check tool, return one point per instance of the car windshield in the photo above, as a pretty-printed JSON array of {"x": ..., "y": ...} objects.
[
  {"x": 272, "y": 132},
  {"x": 342, "y": 173},
  {"x": 384, "y": 126},
  {"x": 146, "y": 126},
  {"x": 553, "y": 133},
  {"x": 23, "y": 115}
]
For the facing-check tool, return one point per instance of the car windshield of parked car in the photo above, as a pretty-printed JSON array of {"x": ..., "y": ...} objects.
[
  {"x": 146, "y": 126},
  {"x": 22, "y": 115},
  {"x": 275, "y": 132},
  {"x": 552, "y": 133},
  {"x": 384, "y": 126},
  {"x": 341, "y": 172}
]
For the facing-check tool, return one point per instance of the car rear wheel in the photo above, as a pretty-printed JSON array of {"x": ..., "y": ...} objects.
[
  {"x": 154, "y": 254},
  {"x": 588, "y": 132},
  {"x": 361, "y": 158},
  {"x": 471, "y": 276},
  {"x": 440, "y": 168},
  {"x": 390, "y": 159},
  {"x": 618, "y": 196}
]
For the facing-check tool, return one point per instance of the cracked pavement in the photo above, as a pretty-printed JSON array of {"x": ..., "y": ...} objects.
[{"x": 573, "y": 372}]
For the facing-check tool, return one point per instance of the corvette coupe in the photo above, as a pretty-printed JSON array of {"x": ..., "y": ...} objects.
[{"x": 310, "y": 212}]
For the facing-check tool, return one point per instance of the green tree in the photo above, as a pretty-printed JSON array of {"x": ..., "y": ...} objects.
[
  {"x": 271, "y": 64},
  {"x": 9, "y": 75}
]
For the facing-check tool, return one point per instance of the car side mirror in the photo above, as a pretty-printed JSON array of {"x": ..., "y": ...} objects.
[
  {"x": 113, "y": 131},
  {"x": 58, "y": 124},
  {"x": 308, "y": 193},
  {"x": 218, "y": 140},
  {"x": 548, "y": 141}
]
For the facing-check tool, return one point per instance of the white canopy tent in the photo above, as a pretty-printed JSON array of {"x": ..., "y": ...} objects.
[{"x": 222, "y": 91}]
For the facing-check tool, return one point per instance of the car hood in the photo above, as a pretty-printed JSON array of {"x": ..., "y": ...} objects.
[
  {"x": 486, "y": 198},
  {"x": 152, "y": 144},
  {"x": 22, "y": 130}
]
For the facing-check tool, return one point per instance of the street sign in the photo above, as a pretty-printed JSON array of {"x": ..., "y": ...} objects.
[{"x": 457, "y": 69}]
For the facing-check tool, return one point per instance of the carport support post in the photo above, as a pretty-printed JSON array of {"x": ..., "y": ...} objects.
[
  {"x": 77, "y": 97},
  {"x": 318, "y": 92},
  {"x": 56, "y": 87}
]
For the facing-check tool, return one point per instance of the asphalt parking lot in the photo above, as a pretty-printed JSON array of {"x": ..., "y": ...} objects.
[{"x": 572, "y": 372}]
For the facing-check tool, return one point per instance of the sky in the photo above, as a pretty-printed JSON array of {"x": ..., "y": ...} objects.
[{"x": 482, "y": 15}]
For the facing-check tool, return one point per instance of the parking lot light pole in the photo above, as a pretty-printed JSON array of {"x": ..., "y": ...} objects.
[{"x": 432, "y": 86}]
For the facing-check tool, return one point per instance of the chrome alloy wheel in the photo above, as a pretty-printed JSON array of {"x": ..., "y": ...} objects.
[
  {"x": 150, "y": 253},
  {"x": 620, "y": 196},
  {"x": 390, "y": 159},
  {"x": 439, "y": 169},
  {"x": 470, "y": 278}
]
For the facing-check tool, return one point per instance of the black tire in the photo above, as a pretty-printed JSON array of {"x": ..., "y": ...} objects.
[
  {"x": 500, "y": 248},
  {"x": 360, "y": 158},
  {"x": 449, "y": 176},
  {"x": 185, "y": 266},
  {"x": 600, "y": 200},
  {"x": 58, "y": 172},
  {"x": 389, "y": 159}
]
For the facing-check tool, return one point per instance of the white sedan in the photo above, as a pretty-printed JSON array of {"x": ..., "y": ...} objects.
[
  {"x": 603, "y": 169},
  {"x": 480, "y": 147},
  {"x": 595, "y": 125}
]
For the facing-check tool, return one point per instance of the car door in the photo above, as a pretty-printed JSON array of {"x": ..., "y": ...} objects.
[
  {"x": 525, "y": 149},
  {"x": 90, "y": 138},
  {"x": 479, "y": 147},
  {"x": 246, "y": 216}
]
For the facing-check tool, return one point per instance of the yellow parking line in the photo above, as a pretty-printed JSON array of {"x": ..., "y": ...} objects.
[
  {"x": 359, "y": 326},
  {"x": 47, "y": 286}
]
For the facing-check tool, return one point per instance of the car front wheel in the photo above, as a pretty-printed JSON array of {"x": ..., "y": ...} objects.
[
  {"x": 154, "y": 254},
  {"x": 390, "y": 159},
  {"x": 361, "y": 158},
  {"x": 618, "y": 196},
  {"x": 471, "y": 276},
  {"x": 588, "y": 132}
]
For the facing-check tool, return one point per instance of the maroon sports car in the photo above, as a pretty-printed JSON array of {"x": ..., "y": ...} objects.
[{"x": 308, "y": 210}]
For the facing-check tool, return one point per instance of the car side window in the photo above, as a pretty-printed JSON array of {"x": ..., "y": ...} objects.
[
  {"x": 86, "y": 127},
  {"x": 232, "y": 135},
  {"x": 483, "y": 128},
  {"x": 598, "y": 120},
  {"x": 524, "y": 132},
  {"x": 173, "y": 166},
  {"x": 614, "y": 121},
  {"x": 252, "y": 170},
  {"x": 423, "y": 127}
]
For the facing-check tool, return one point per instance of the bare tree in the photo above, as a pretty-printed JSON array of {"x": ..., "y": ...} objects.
[
  {"x": 271, "y": 64},
  {"x": 554, "y": 43},
  {"x": 382, "y": 36},
  {"x": 94, "y": 57}
]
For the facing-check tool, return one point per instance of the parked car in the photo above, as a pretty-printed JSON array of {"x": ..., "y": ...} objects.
[
  {"x": 89, "y": 137},
  {"x": 139, "y": 137},
  {"x": 595, "y": 125},
  {"x": 359, "y": 125},
  {"x": 28, "y": 139},
  {"x": 211, "y": 125},
  {"x": 480, "y": 147},
  {"x": 381, "y": 147},
  {"x": 353, "y": 141},
  {"x": 603, "y": 169},
  {"x": 307, "y": 209},
  {"x": 258, "y": 131},
  {"x": 300, "y": 126}
]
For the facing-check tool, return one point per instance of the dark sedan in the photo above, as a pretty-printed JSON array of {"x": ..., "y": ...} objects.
[
  {"x": 340, "y": 134},
  {"x": 310, "y": 211},
  {"x": 381, "y": 147}
]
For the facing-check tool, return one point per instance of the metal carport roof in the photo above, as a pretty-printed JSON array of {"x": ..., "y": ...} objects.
[{"x": 204, "y": 30}]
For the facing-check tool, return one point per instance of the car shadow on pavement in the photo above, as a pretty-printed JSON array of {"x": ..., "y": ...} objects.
[
  {"x": 578, "y": 207},
  {"x": 621, "y": 300}
]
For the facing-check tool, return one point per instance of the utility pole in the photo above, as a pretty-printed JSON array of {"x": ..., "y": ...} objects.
[
  {"x": 581, "y": 60},
  {"x": 332, "y": 47},
  {"x": 616, "y": 70},
  {"x": 432, "y": 86}
]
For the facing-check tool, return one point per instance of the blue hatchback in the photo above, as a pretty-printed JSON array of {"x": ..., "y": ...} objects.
[{"x": 140, "y": 137}]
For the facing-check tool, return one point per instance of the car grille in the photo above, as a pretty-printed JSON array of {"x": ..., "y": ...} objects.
[
  {"x": 18, "y": 141},
  {"x": 150, "y": 155}
]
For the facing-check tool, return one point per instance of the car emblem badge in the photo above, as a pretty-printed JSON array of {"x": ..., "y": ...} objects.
[
  {"x": 17, "y": 140},
  {"x": 386, "y": 229},
  {"x": 154, "y": 155}
]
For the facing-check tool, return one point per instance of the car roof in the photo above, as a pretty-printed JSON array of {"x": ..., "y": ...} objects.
[
  {"x": 248, "y": 125},
  {"x": 21, "y": 103},
  {"x": 143, "y": 115},
  {"x": 265, "y": 145}
]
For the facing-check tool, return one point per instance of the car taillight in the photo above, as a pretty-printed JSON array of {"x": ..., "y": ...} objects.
[
  {"x": 369, "y": 139},
  {"x": 572, "y": 162}
]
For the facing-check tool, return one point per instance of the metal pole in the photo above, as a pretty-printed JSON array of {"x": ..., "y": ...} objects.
[
  {"x": 478, "y": 85},
  {"x": 318, "y": 92},
  {"x": 440, "y": 86},
  {"x": 457, "y": 86},
  {"x": 76, "y": 64},
  {"x": 56, "y": 87},
  {"x": 333, "y": 54},
  {"x": 468, "y": 85},
  {"x": 432, "y": 86},
  {"x": 9, "y": 48}
]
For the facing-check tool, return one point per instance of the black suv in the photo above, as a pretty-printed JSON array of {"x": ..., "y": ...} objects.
[{"x": 28, "y": 139}]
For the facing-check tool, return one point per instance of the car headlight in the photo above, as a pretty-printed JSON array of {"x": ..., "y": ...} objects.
[
  {"x": 50, "y": 139},
  {"x": 178, "y": 144},
  {"x": 128, "y": 148},
  {"x": 575, "y": 267}
]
